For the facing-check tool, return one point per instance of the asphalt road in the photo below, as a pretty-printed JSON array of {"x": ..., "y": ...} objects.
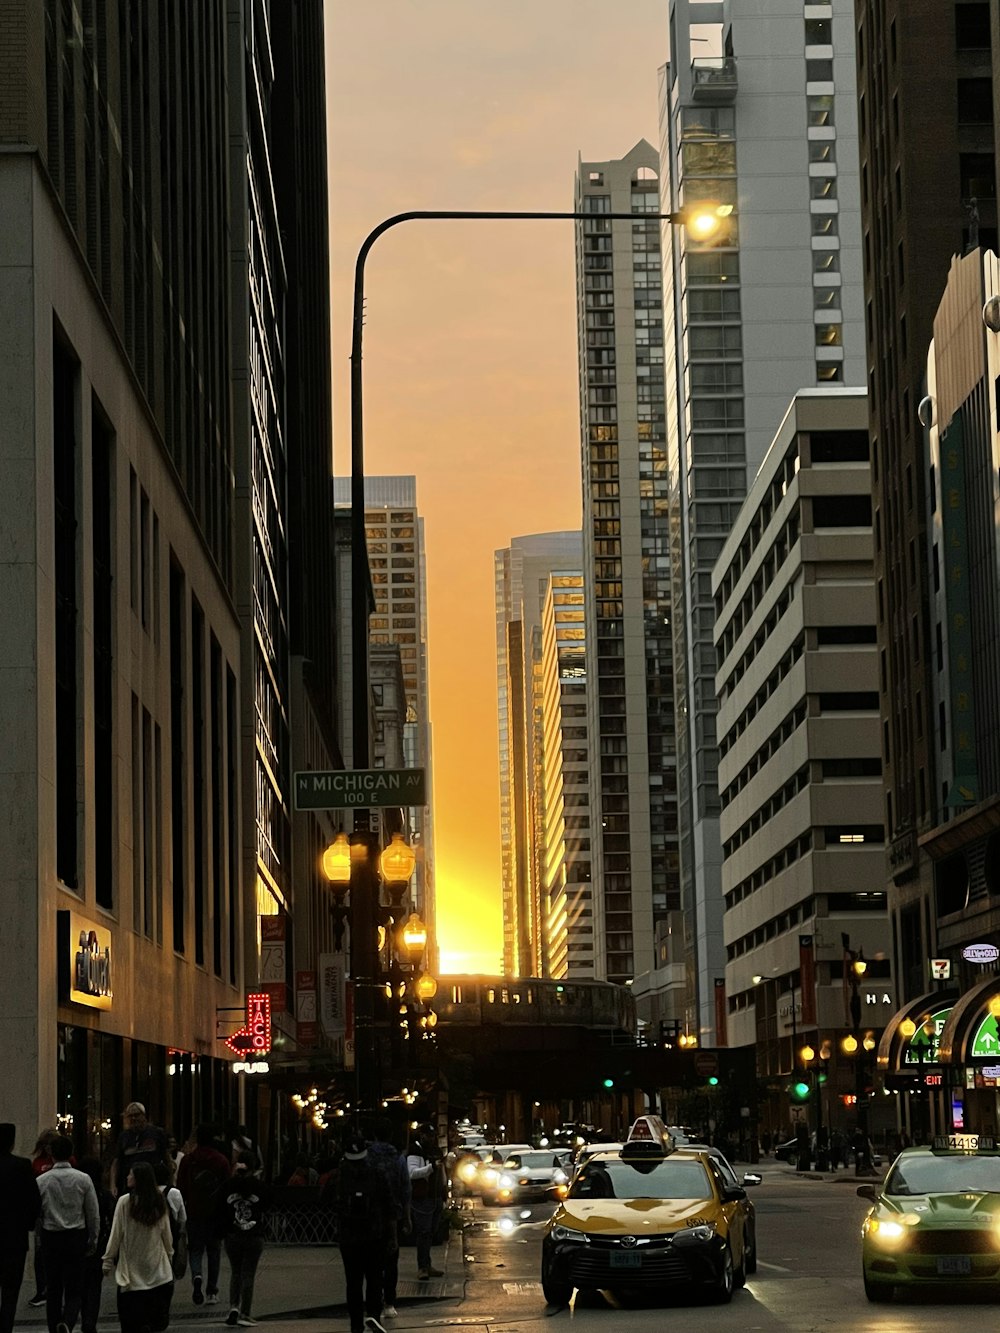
[{"x": 809, "y": 1277}]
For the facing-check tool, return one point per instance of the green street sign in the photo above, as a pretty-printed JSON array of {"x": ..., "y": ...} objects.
[
  {"x": 922, "y": 1048},
  {"x": 986, "y": 1043},
  {"x": 359, "y": 789}
]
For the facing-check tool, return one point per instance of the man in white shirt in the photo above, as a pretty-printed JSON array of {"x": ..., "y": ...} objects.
[{"x": 70, "y": 1228}]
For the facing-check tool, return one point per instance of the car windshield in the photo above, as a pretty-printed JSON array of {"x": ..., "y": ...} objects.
[
  {"x": 526, "y": 1160},
  {"x": 927, "y": 1174},
  {"x": 641, "y": 1179}
]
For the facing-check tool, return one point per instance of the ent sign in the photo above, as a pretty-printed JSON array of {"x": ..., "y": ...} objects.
[{"x": 253, "y": 1039}]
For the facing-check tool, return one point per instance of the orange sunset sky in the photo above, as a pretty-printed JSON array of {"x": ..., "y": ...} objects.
[{"x": 470, "y": 340}]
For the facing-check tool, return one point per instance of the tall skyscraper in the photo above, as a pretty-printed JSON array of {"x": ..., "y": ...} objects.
[
  {"x": 925, "y": 198},
  {"x": 521, "y": 574},
  {"x": 146, "y": 408},
  {"x": 630, "y": 688},
  {"x": 564, "y": 799},
  {"x": 757, "y": 110},
  {"x": 397, "y": 559}
]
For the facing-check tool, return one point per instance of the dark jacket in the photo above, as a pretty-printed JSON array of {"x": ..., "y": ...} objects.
[
  {"x": 365, "y": 1206},
  {"x": 241, "y": 1210},
  {"x": 20, "y": 1203},
  {"x": 392, "y": 1165},
  {"x": 201, "y": 1178}
]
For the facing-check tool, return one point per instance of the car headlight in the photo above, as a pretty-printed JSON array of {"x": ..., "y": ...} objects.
[
  {"x": 507, "y": 1182},
  {"x": 559, "y": 1232},
  {"x": 560, "y": 1177},
  {"x": 490, "y": 1176},
  {"x": 468, "y": 1172},
  {"x": 698, "y": 1235},
  {"x": 886, "y": 1228}
]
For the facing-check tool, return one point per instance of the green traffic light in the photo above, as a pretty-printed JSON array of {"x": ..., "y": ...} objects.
[
  {"x": 609, "y": 1083},
  {"x": 800, "y": 1091},
  {"x": 713, "y": 1082}
]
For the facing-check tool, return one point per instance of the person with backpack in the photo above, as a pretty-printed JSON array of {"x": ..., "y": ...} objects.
[
  {"x": 383, "y": 1155},
  {"x": 365, "y": 1209},
  {"x": 201, "y": 1178},
  {"x": 242, "y": 1226},
  {"x": 421, "y": 1162}
]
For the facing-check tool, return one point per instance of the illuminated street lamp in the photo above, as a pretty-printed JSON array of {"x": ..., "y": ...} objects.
[
  {"x": 425, "y": 987},
  {"x": 414, "y": 935},
  {"x": 396, "y": 865}
]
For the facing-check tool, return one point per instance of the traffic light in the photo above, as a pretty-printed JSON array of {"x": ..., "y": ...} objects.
[
  {"x": 609, "y": 1083},
  {"x": 713, "y": 1081},
  {"x": 800, "y": 1091}
]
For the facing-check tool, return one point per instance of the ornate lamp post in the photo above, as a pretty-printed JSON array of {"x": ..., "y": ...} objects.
[{"x": 350, "y": 867}]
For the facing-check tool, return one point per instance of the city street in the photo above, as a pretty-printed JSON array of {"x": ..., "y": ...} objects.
[{"x": 809, "y": 1278}]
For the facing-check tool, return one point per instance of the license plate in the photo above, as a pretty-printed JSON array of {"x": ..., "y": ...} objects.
[
  {"x": 958, "y": 1265},
  {"x": 625, "y": 1259}
]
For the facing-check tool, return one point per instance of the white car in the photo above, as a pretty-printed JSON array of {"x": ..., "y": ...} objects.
[{"x": 530, "y": 1176}]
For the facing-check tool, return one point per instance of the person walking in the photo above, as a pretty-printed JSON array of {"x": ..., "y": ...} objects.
[
  {"x": 93, "y": 1264},
  {"x": 365, "y": 1208},
  {"x": 70, "y": 1228},
  {"x": 421, "y": 1165},
  {"x": 139, "y": 1141},
  {"x": 383, "y": 1155},
  {"x": 20, "y": 1208},
  {"x": 242, "y": 1226},
  {"x": 41, "y": 1161},
  {"x": 139, "y": 1252},
  {"x": 202, "y": 1178}
]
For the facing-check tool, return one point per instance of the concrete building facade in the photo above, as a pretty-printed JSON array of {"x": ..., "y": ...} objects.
[
  {"x": 800, "y": 767},
  {"x": 758, "y": 110}
]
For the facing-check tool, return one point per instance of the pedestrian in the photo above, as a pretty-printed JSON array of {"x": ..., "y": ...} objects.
[
  {"x": 41, "y": 1161},
  {"x": 241, "y": 1142},
  {"x": 139, "y": 1252},
  {"x": 765, "y": 1142},
  {"x": 242, "y": 1225},
  {"x": 178, "y": 1219},
  {"x": 139, "y": 1142},
  {"x": 364, "y": 1209},
  {"x": 303, "y": 1173},
  {"x": 836, "y": 1148},
  {"x": 93, "y": 1264},
  {"x": 203, "y": 1175},
  {"x": 420, "y": 1163},
  {"x": 20, "y": 1209},
  {"x": 71, "y": 1225},
  {"x": 383, "y": 1155}
]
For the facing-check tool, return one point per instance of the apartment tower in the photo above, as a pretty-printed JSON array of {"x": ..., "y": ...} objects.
[
  {"x": 758, "y": 110},
  {"x": 521, "y": 576},
  {"x": 626, "y": 567}
]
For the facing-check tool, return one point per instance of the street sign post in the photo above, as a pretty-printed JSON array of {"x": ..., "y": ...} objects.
[
  {"x": 706, "y": 1063},
  {"x": 363, "y": 788}
]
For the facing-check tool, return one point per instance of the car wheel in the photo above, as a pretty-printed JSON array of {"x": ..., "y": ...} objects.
[
  {"x": 878, "y": 1292},
  {"x": 750, "y": 1255},
  {"x": 723, "y": 1292}
]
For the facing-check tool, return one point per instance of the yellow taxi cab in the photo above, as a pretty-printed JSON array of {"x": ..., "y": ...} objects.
[{"x": 648, "y": 1215}]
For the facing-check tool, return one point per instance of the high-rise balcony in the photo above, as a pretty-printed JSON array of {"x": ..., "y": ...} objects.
[{"x": 713, "y": 79}]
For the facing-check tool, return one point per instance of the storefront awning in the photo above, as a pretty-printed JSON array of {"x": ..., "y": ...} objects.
[
  {"x": 896, "y": 1052},
  {"x": 971, "y": 1032}
]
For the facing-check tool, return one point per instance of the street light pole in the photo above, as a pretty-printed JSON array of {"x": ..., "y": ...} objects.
[{"x": 704, "y": 221}]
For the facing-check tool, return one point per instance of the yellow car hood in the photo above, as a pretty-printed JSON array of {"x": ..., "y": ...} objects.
[{"x": 632, "y": 1217}]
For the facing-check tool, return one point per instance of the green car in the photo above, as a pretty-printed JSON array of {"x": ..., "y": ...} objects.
[{"x": 936, "y": 1220}]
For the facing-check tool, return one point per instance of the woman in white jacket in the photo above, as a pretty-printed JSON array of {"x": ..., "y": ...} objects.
[{"x": 139, "y": 1250}]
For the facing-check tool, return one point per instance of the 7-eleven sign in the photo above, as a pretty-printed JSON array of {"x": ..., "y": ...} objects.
[{"x": 253, "y": 1040}]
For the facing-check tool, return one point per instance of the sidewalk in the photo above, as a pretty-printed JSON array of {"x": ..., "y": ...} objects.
[
  {"x": 294, "y": 1282},
  {"x": 769, "y": 1169}
]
